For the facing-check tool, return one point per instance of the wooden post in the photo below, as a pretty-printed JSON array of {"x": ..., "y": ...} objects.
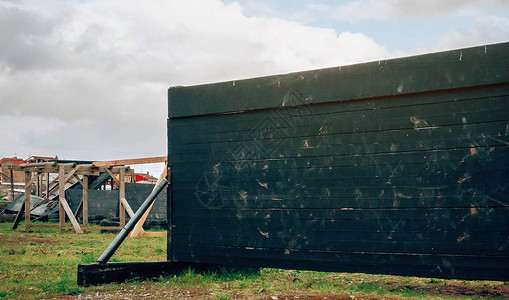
[
  {"x": 29, "y": 180},
  {"x": 28, "y": 177},
  {"x": 85, "y": 201},
  {"x": 47, "y": 186},
  {"x": 61, "y": 191},
  {"x": 12, "y": 185},
  {"x": 38, "y": 186},
  {"x": 121, "y": 193}
]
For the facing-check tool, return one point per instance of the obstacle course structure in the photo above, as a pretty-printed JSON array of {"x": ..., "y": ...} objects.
[{"x": 390, "y": 167}]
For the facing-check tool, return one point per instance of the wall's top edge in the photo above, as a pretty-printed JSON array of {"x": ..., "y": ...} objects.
[{"x": 477, "y": 66}]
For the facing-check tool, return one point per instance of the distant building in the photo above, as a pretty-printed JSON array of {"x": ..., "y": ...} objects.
[
  {"x": 37, "y": 159},
  {"x": 128, "y": 177},
  {"x": 9, "y": 177},
  {"x": 144, "y": 178},
  {"x": 5, "y": 172}
]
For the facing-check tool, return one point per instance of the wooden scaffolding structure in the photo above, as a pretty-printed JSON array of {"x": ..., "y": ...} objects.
[{"x": 36, "y": 172}]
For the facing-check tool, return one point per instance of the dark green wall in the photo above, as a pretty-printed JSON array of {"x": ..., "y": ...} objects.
[{"x": 391, "y": 167}]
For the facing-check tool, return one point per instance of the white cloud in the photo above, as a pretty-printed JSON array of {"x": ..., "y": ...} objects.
[
  {"x": 357, "y": 10},
  {"x": 488, "y": 30},
  {"x": 97, "y": 72}
]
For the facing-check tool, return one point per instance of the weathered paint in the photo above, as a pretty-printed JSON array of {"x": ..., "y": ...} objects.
[{"x": 391, "y": 167}]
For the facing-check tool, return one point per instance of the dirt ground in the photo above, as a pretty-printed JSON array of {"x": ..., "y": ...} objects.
[{"x": 147, "y": 290}]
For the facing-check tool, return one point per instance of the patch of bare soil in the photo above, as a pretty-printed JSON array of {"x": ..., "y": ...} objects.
[
  {"x": 127, "y": 292},
  {"x": 459, "y": 289},
  {"x": 144, "y": 291},
  {"x": 306, "y": 296},
  {"x": 26, "y": 239}
]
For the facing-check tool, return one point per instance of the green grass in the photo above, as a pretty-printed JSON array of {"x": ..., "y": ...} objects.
[{"x": 43, "y": 264}]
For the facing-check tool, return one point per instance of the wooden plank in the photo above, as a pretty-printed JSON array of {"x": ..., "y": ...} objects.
[
  {"x": 84, "y": 184},
  {"x": 334, "y": 225},
  {"x": 431, "y": 214},
  {"x": 457, "y": 135},
  {"x": 19, "y": 215},
  {"x": 138, "y": 228},
  {"x": 51, "y": 185},
  {"x": 352, "y": 245},
  {"x": 436, "y": 113},
  {"x": 85, "y": 200},
  {"x": 323, "y": 232},
  {"x": 28, "y": 184},
  {"x": 128, "y": 208},
  {"x": 96, "y": 228},
  {"x": 121, "y": 194},
  {"x": 77, "y": 179},
  {"x": 379, "y": 259},
  {"x": 70, "y": 215},
  {"x": 368, "y": 80},
  {"x": 46, "y": 196},
  {"x": 153, "y": 234},
  {"x": 339, "y": 264},
  {"x": 367, "y": 105},
  {"x": 134, "y": 161},
  {"x": 325, "y": 126},
  {"x": 61, "y": 193},
  {"x": 113, "y": 177},
  {"x": 391, "y": 173},
  {"x": 44, "y": 226},
  {"x": 80, "y": 205},
  {"x": 440, "y": 158},
  {"x": 388, "y": 202}
]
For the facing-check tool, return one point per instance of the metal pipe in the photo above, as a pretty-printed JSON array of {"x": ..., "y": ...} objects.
[{"x": 132, "y": 222}]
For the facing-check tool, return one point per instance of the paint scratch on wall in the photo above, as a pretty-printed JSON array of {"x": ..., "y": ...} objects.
[
  {"x": 265, "y": 234},
  {"x": 265, "y": 185}
]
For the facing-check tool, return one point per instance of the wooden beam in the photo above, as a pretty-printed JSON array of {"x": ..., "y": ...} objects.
[
  {"x": 32, "y": 179},
  {"x": 18, "y": 216},
  {"x": 44, "y": 226},
  {"x": 128, "y": 208},
  {"x": 28, "y": 184},
  {"x": 78, "y": 179},
  {"x": 29, "y": 180},
  {"x": 121, "y": 194},
  {"x": 40, "y": 164},
  {"x": 49, "y": 187},
  {"x": 79, "y": 209},
  {"x": 83, "y": 206},
  {"x": 134, "y": 161},
  {"x": 138, "y": 228},
  {"x": 153, "y": 234},
  {"x": 61, "y": 191},
  {"x": 112, "y": 176},
  {"x": 69, "y": 213},
  {"x": 12, "y": 187},
  {"x": 85, "y": 200},
  {"x": 69, "y": 175}
]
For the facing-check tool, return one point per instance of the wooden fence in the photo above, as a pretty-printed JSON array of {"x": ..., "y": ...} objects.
[{"x": 391, "y": 167}]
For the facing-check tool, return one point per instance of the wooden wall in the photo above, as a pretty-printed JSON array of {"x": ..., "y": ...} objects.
[{"x": 390, "y": 167}]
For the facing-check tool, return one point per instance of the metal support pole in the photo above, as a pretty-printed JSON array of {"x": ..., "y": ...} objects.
[{"x": 132, "y": 222}]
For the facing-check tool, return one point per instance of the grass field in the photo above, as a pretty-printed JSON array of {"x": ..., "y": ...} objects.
[{"x": 43, "y": 265}]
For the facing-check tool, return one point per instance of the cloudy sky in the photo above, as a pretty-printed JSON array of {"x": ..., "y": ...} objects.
[{"x": 88, "y": 79}]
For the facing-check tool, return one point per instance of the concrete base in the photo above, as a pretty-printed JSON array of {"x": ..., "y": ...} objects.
[{"x": 95, "y": 274}]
